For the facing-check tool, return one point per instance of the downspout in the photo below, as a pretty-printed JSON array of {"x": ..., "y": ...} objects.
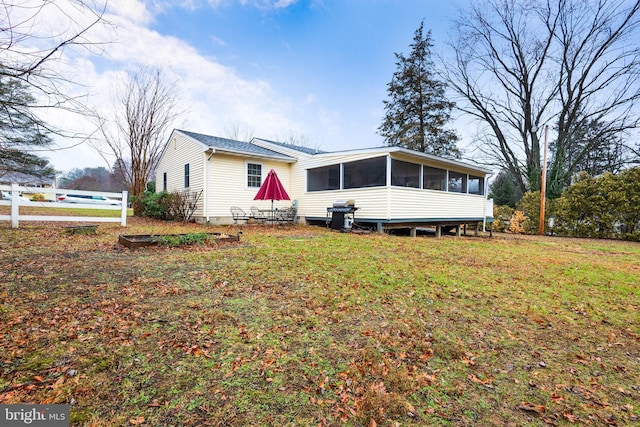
[
  {"x": 486, "y": 197},
  {"x": 207, "y": 215},
  {"x": 388, "y": 187}
]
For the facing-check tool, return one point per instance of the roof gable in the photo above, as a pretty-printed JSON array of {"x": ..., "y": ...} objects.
[
  {"x": 235, "y": 147},
  {"x": 305, "y": 150}
]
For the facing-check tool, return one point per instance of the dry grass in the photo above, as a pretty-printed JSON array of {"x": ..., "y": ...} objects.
[{"x": 300, "y": 326}]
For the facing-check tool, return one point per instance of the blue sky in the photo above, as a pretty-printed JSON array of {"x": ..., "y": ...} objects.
[{"x": 314, "y": 69}]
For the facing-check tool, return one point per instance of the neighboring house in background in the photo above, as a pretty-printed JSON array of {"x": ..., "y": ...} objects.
[
  {"x": 392, "y": 187},
  {"x": 28, "y": 181},
  {"x": 9, "y": 178}
]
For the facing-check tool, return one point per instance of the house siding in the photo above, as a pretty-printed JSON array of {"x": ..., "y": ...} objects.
[
  {"x": 179, "y": 151},
  {"x": 227, "y": 185},
  {"x": 416, "y": 204}
]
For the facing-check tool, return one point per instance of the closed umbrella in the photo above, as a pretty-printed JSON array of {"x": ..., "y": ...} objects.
[{"x": 272, "y": 189}]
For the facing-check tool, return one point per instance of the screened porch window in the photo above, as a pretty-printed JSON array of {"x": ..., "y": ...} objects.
[
  {"x": 405, "y": 174},
  {"x": 457, "y": 182},
  {"x": 476, "y": 185},
  {"x": 324, "y": 178},
  {"x": 434, "y": 179},
  {"x": 366, "y": 173}
]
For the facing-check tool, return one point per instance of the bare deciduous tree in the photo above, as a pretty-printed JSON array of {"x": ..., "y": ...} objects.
[
  {"x": 30, "y": 48},
  {"x": 297, "y": 139},
  {"x": 520, "y": 65},
  {"x": 238, "y": 131},
  {"x": 146, "y": 108}
]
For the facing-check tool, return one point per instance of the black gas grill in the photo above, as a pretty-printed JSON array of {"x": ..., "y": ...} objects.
[{"x": 342, "y": 215}]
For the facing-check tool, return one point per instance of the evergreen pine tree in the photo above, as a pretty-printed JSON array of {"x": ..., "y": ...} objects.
[
  {"x": 504, "y": 190},
  {"x": 20, "y": 131},
  {"x": 418, "y": 110}
]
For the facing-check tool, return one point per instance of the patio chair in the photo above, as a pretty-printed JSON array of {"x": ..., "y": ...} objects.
[
  {"x": 286, "y": 216},
  {"x": 257, "y": 214},
  {"x": 238, "y": 214}
]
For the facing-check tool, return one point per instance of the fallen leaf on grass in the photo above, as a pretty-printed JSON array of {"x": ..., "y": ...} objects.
[
  {"x": 487, "y": 382},
  {"x": 538, "y": 409},
  {"x": 137, "y": 420}
]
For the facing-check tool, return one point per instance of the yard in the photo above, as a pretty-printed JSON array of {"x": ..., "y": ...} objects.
[{"x": 300, "y": 326}]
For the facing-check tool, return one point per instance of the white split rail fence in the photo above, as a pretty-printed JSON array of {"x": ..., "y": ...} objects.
[{"x": 16, "y": 203}]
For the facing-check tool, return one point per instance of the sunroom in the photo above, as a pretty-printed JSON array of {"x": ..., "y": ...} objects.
[{"x": 399, "y": 188}]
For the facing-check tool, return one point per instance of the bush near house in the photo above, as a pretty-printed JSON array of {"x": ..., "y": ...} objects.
[
  {"x": 519, "y": 223},
  {"x": 153, "y": 205},
  {"x": 502, "y": 217},
  {"x": 175, "y": 206}
]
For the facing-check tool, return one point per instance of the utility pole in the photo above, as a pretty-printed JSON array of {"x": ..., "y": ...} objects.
[{"x": 543, "y": 187}]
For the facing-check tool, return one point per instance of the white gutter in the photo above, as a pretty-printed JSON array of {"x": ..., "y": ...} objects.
[{"x": 206, "y": 183}]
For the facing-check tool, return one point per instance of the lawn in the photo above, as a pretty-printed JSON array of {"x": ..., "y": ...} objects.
[{"x": 300, "y": 326}]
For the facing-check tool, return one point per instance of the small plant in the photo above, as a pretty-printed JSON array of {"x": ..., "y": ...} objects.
[{"x": 183, "y": 239}]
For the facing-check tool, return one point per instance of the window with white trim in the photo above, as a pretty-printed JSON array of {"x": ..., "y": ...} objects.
[{"x": 254, "y": 175}]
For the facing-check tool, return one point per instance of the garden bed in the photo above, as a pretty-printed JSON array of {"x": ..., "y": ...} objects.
[{"x": 140, "y": 240}]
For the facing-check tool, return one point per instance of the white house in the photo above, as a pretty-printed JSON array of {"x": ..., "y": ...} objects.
[{"x": 392, "y": 187}]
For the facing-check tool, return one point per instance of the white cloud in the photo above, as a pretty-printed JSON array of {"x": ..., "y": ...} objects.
[
  {"x": 218, "y": 41},
  {"x": 284, "y": 3},
  {"x": 214, "y": 94},
  {"x": 330, "y": 121}
]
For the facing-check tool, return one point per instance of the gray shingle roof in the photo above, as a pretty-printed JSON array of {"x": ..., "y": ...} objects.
[
  {"x": 305, "y": 150},
  {"x": 232, "y": 145}
]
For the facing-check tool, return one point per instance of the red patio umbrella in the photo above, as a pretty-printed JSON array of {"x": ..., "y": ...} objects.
[{"x": 272, "y": 189}]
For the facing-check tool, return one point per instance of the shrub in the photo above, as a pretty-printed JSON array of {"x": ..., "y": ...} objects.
[
  {"x": 154, "y": 205},
  {"x": 501, "y": 217},
  {"x": 176, "y": 206},
  {"x": 602, "y": 207},
  {"x": 519, "y": 223},
  {"x": 180, "y": 206}
]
